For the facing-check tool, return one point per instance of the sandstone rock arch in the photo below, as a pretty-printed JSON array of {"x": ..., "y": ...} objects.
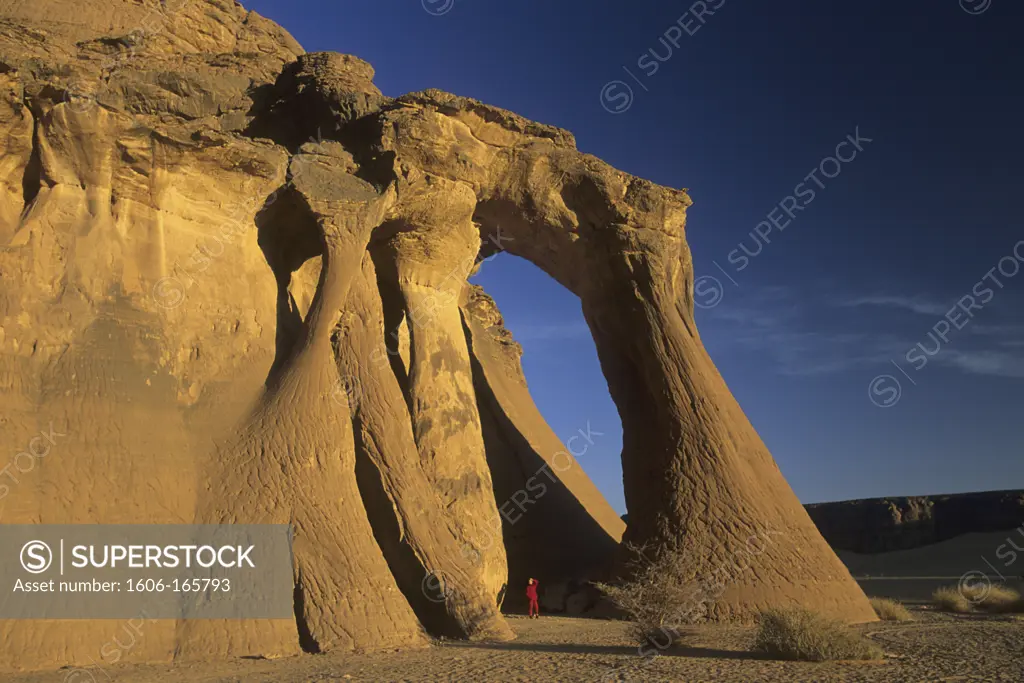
[
  {"x": 206, "y": 239},
  {"x": 693, "y": 465}
]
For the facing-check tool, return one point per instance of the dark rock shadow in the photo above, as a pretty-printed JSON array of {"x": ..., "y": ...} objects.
[{"x": 288, "y": 235}]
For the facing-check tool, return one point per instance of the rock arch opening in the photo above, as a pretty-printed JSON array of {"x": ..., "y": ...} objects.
[{"x": 557, "y": 525}]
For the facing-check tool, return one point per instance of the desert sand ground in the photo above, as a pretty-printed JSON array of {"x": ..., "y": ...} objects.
[{"x": 936, "y": 647}]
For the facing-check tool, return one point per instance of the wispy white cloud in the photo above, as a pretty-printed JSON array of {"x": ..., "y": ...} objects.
[
  {"x": 985, "y": 362},
  {"x": 918, "y": 304},
  {"x": 798, "y": 333},
  {"x": 774, "y": 323}
]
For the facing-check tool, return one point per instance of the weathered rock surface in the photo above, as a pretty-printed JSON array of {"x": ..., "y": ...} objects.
[
  {"x": 879, "y": 525},
  {"x": 91, "y": 339},
  {"x": 427, "y": 548},
  {"x": 425, "y": 264},
  {"x": 233, "y": 278}
]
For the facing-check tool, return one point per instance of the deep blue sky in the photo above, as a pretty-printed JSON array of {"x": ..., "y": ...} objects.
[{"x": 740, "y": 113}]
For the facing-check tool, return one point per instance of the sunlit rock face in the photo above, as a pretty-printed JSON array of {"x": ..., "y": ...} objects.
[{"x": 233, "y": 281}]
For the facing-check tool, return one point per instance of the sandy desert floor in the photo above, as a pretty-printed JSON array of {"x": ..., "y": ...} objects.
[{"x": 936, "y": 647}]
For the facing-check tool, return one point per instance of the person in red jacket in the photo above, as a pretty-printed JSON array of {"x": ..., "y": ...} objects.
[{"x": 531, "y": 593}]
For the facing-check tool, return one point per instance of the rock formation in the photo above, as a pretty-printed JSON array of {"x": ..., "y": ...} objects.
[
  {"x": 233, "y": 277},
  {"x": 879, "y": 525}
]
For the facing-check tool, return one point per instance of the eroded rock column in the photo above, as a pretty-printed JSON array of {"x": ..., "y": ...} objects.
[
  {"x": 427, "y": 261},
  {"x": 293, "y": 461},
  {"x": 421, "y": 539},
  {"x": 695, "y": 471}
]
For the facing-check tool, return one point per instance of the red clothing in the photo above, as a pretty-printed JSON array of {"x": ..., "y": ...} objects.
[{"x": 531, "y": 593}]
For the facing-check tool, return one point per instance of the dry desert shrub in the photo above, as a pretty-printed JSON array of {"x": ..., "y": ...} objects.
[
  {"x": 661, "y": 597},
  {"x": 890, "y": 610},
  {"x": 951, "y": 600},
  {"x": 994, "y": 599},
  {"x": 796, "y": 633},
  {"x": 997, "y": 600}
]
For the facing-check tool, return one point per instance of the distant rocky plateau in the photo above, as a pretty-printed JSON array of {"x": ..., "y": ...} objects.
[{"x": 878, "y": 525}]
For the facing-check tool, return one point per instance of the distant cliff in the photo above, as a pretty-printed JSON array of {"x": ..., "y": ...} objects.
[{"x": 876, "y": 525}]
